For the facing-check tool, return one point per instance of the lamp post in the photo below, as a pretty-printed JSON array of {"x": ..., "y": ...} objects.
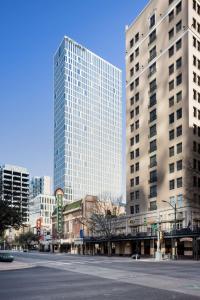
[{"x": 174, "y": 256}]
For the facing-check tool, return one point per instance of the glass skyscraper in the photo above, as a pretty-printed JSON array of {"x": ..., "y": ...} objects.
[{"x": 87, "y": 123}]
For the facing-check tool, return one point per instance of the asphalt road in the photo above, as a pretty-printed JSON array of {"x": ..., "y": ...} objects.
[{"x": 51, "y": 276}]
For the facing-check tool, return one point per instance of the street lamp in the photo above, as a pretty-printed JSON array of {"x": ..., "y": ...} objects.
[{"x": 175, "y": 210}]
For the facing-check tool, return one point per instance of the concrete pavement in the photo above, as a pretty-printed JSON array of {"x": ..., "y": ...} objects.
[{"x": 165, "y": 278}]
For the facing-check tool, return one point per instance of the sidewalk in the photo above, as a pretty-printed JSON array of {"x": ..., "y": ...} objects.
[{"x": 15, "y": 265}]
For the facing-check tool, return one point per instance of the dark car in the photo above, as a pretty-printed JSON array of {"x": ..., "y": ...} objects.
[
  {"x": 6, "y": 257},
  {"x": 135, "y": 256}
]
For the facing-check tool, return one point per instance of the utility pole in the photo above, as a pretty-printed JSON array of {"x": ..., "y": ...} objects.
[
  {"x": 158, "y": 252},
  {"x": 174, "y": 252}
]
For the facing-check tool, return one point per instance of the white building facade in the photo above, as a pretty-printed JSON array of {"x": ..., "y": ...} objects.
[
  {"x": 40, "y": 185},
  {"x": 87, "y": 123},
  {"x": 42, "y": 207}
]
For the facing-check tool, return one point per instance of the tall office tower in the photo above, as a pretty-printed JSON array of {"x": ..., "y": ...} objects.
[
  {"x": 163, "y": 110},
  {"x": 40, "y": 185},
  {"x": 87, "y": 123},
  {"x": 14, "y": 187}
]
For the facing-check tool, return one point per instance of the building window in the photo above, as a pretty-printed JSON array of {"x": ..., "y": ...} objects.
[
  {"x": 152, "y": 86},
  {"x": 171, "y": 69},
  {"x": 179, "y": 63},
  {"x": 137, "y": 166},
  {"x": 132, "y": 114},
  {"x": 131, "y": 43},
  {"x": 137, "y": 81},
  {"x": 171, "y": 15},
  {"x": 137, "y": 52},
  {"x": 178, "y": 97},
  {"x": 180, "y": 200},
  {"x": 132, "y": 141},
  {"x": 137, "y": 138},
  {"x": 132, "y": 182},
  {"x": 152, "y": 53},
  {"x": 132, "y": 210},
  {"x": 137, "y": 67},
  {"x": 170, "y": 2},
  {"x": 152, "y": 100},
  {"x": 178, "y": 8},
  {"x": 153, "y": 161},
  {"x": 153, "y": 205},
  {"x": 137, "y": 195},
  {"x": 132, "y": 155},
  {"x": 171, "y": 134},
  {"x": 153, "y": 191},
  {"x": 132, "y": 196},
  {"x": 179, "y": 148},
  {"x": 179, "y": 165},
  {"x": 131, "y": 57},
  {"x": 153, "y": 146},
  {"x": 137, "y": 180},
  {"x": 132, "y": 86},
  {"x": 153, "y": 115},
  {"x": 152, "y": 69},
  {"x": 179, "y": 182},
  {"x": 171, "y": 118},
  {"x": 171, "y": 33},
  {"x": 137, "y": 152},
  {"x": 179, "y": 131},
  {"x": 137, "y": 37},
  {"x": 171, "y": 151},
  {"x": 137, "y": 110},
  {"x": 171, "y": 85},
  {"x": 132, "y": 100},
  {"x": 178, "y": 26},
  {"x": 194, "y": 4},
  {"x": 153, "y": 176},
  {"x": 132, "y": 127},
  {"x": 171, "y": 51},
  {"x": 171, "y": 101},
  {"x": 153, "y": 131},
  {"x": 152, "y": 21},
  {"x": 137, "y": 209},
  {"x": 137, "y": 124},
  {"x": 179, "y": 114},
  {"x": 178, "y": 45},
  {"x": 137, "y": 97},
  {"x": 132, "y": 169},
  {"x": 179, "y": 79},
  {"x": 171, "y": 184},
  {"x": 152, "y": 37},
  {"x": 171, "y": 168},
  {"x": 131, "y": 72}
]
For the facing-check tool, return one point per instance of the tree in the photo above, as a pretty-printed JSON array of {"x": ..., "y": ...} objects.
[
  {"x": 10, "y": 216},
  {"x": 101, "y": 221},
  {"x": 27, "y": 239}
]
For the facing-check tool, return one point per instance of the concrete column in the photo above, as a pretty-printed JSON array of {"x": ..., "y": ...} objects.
[
  {"x": 152, "y": 249},
  {"x": 142, "y": 247}
]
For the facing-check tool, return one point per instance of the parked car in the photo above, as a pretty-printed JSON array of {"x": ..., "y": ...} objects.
[
  {"x": 135, "y": 256},
  {"x": 6, "y": 257}
]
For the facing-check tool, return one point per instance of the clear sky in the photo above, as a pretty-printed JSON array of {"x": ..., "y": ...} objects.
[{"x": 30, "y": 32}]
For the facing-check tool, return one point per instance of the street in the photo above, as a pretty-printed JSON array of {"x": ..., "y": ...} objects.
[{"x": 63, "y": 276}]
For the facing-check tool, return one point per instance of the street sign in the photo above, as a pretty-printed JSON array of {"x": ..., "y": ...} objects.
[
  {"x": 59, "y": 194},
  {"x": 78, "y": 241}
]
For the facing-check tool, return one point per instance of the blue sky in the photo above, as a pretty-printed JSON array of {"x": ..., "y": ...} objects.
[{"x": 30, "y": 32}]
